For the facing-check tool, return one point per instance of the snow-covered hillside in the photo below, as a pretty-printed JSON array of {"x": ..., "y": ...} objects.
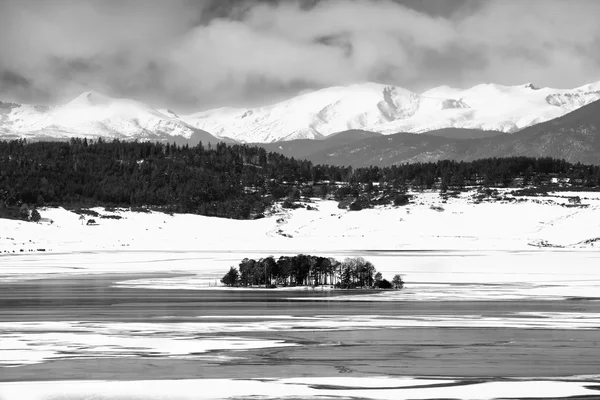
[
  {"x": 92, "y": 115},
  {"x": 429, "y": 222},
  {"x": 391, "y": 109}
]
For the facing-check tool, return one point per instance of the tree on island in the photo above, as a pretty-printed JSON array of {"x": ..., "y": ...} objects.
[
  {"x": 357, "y": 272},
  {"x": 398, "y": 282},
  {"x": 230, "y": 278},
  {"x": 307, "y": 270},
  {"x": 378, "y": 278},
  {"x": 383, "y": 284}
]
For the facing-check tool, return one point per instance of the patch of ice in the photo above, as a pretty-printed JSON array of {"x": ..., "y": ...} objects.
[{"x": 35, "y": 342}]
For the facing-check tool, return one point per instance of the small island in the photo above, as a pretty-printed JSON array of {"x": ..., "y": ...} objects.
[{"x": 309, "y": 270}]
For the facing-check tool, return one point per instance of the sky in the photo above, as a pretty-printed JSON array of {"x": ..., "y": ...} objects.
[{"x": 193, "y": 55}]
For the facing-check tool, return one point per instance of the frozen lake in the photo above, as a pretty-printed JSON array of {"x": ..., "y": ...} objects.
[
  {"x": 430, "y": 275},
  {"x": 465, "y": 320}
]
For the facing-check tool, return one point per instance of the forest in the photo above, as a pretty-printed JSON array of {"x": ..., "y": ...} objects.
[
  {"x": 308, "y": 270},
  {"x": 233, "y": 181}
]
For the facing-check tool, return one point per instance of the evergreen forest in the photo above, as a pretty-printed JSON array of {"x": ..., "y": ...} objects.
[{"x": 232, "y": 181}]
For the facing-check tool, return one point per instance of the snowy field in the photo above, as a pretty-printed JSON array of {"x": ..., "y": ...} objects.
[{"x": 428, "y": 223}]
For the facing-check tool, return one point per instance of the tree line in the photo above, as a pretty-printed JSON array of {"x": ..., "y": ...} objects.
[
  {"x": 233, "y": 181},
  {"x": 308, "y": 270}
]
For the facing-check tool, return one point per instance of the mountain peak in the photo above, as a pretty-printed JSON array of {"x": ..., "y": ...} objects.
[
  {"x": 373, "y": 88},
  {"x": 90, "y": 99},
  {"x": 531, "y": 86}
]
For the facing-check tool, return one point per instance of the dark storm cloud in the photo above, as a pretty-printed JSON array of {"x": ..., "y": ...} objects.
[
  {"x": 442, "y": 8},
  {"x": 195, "y": 54},
  {"x": 10, "y": 79},
  {"x": 342, "y": 41},
  {"x": 20, "y": 88}
]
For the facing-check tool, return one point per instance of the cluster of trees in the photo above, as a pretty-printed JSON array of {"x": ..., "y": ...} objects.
[
  {"x": 507, "y": 171},
  {"x": 308, "y": 270},
  {"x": 233, "y": 181}
]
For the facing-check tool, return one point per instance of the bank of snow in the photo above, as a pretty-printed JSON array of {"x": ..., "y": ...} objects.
[{"x": 428, "y": 223}]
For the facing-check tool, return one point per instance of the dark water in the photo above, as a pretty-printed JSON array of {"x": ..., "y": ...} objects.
[{"x": 429, "y": 351}]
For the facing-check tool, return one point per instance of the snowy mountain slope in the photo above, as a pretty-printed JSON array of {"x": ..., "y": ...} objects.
[
  {"x": 94, "y": 115},
  {"x": 309, "y": 116},
  {"x": 391, "y": 109},
  {"x": 574, "y": 137},
  {"x": 317, "y": 114},
  {"x": 507, "y": 108}
]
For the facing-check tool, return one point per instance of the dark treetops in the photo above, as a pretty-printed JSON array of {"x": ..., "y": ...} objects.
[{"x": 233, "y": 181}]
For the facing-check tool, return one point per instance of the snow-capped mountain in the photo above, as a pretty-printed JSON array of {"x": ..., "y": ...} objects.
[
  {"x": 312, "y": 115},
  {"x": 574, "y": 137},
  {"x": 390, "y": 109},
  {"x": 94, "y": 115},
  {"x": 315, "y": 115}
]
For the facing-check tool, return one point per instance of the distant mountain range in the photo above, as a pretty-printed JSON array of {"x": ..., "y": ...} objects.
[
  {"x": 355, "y": 125},
  {"x": 574, "y": 137}
]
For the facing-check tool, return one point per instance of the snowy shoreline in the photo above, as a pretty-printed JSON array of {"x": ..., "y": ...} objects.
[
  {"x": 454, "y": 248},
  {"x": 374, "y": 387}
]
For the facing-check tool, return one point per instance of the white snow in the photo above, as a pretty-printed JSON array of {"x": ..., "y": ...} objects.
[
  {"x": 390, "y": 109},
  {"x": 428, "y": 223},
  {"x": 308, "y": 388}
]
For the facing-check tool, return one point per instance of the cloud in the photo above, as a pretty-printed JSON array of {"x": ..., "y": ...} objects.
[{"x": 196, "y": 54}]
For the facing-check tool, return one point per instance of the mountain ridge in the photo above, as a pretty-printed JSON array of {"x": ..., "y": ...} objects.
[
  {"x": 389, "y": 109},
  {"x": 574, "y": 137},
  {"x": 484, "y": 110}
]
